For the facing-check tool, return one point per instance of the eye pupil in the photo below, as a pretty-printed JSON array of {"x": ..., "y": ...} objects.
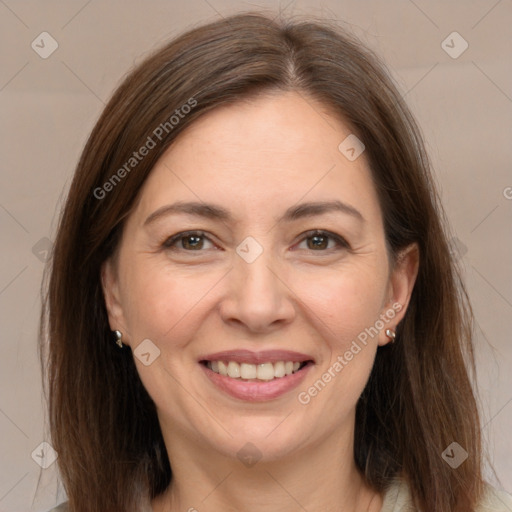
[
  {"x": 319, "y": 241},
  {"x": 195, "y": 243}
]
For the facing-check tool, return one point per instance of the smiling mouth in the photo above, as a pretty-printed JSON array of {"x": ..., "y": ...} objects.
[{"x": 262, "y": 372}]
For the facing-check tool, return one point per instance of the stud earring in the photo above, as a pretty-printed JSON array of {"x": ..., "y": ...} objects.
[
  {"x": 391, "y": 334},
  {"x": 119, "y": 336}
]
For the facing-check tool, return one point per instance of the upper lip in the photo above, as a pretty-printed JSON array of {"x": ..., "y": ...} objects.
[{"x": 265, "y": 356}]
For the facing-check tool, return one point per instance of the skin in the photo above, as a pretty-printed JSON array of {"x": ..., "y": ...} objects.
[{"x": 257, "y": 158}]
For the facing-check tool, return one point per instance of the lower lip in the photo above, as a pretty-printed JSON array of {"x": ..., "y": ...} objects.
[{"x": 257, "y": 391}]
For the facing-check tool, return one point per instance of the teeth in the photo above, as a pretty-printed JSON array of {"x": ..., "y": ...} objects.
[
  {"x": 233, "y": 370},
  {"x": 279, "y": 370},
  {"x": 223, "y": 368},
  {"x": 247, "y": 371},
  {"x": 264, "y": 371}
]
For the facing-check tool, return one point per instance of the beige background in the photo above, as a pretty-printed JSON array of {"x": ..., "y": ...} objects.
[{"x": 49, "y": 106}]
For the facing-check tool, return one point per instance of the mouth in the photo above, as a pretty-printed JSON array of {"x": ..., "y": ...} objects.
[{"x": 256, "y": 376}]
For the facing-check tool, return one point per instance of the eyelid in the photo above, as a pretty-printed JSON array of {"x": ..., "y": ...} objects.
[
  {"x": 170, "y": 241},
  {"x": 322, "y": 232}
]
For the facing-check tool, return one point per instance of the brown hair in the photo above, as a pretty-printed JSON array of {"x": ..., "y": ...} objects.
[{"x": 418, "y": 399}]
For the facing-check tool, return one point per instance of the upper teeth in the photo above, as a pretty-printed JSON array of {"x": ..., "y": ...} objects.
[{"x": 263, "y": 371}]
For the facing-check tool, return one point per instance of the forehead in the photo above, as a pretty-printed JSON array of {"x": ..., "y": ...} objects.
[{"x": 260, "y": 156}]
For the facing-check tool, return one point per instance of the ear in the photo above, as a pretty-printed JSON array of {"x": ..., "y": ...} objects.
[
  {"x": 401, "y": 283},
  {"x": 111, "y": 292}
]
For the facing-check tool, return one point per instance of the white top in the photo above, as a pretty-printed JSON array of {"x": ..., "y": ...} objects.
[{"x": 398, "y": 499}]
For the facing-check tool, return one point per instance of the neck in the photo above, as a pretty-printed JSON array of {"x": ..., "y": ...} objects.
[{"x": 318, "y": 478}]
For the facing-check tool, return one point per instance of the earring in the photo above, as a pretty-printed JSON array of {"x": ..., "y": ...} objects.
[
  {"x": 119, "y": 337},
  {"x": 391, "y": 334}
]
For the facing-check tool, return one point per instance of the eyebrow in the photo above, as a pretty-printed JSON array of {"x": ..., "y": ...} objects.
[{"x": 212, "y": 211}]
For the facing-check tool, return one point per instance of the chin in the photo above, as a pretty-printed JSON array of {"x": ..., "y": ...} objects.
[{"x": 264, "y": 436}]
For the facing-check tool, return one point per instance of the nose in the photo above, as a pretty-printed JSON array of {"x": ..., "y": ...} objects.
[{"x": 258, "y": 298}]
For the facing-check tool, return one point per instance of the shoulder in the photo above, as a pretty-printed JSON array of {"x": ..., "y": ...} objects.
[
  {"x": 397, "y": 498},
  {"x": 495, "y": 500},
  {"x": 63, "y": 507}
]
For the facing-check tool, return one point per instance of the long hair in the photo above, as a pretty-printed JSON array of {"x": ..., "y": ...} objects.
[{"x": 419, "y": 397}]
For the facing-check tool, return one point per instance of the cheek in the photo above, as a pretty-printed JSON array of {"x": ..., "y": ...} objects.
[
  {"x": 169, "y": 308},
  {"x": 346, "y": 301},
  {"x": 161, "y": 303},
  {"x": 346, "y": 306}
]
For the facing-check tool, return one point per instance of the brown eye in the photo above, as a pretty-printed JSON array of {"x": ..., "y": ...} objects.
[
  {"x": 192, "y": 242},
  {"x": 187, "y": 241},
  {"x": 320, "y": 240}
]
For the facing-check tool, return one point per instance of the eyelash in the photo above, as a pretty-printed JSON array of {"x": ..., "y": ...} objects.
[{"x": 169, "y": 242}]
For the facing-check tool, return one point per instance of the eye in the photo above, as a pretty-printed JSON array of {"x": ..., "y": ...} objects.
[
  {"x": 194, "y": 241},
  {"x": 318, "y": 240},
  {"x": 187, "y": 241}
]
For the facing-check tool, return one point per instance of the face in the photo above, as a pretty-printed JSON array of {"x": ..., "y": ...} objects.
[{"x": 288, "y": 265}]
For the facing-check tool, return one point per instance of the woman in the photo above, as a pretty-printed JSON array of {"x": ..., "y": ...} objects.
[{"x": 252, "y": 303}]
